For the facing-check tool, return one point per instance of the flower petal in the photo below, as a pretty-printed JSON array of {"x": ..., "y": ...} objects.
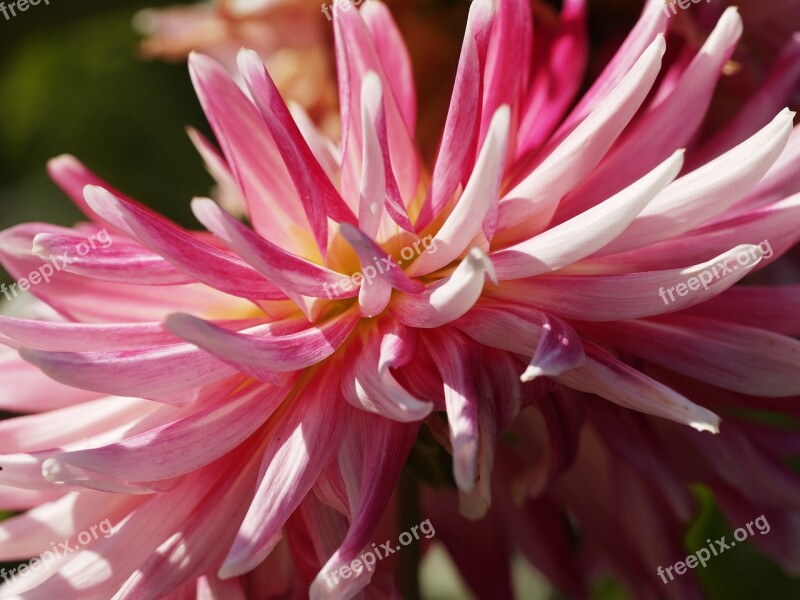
[{"x": 447, "y": 299}]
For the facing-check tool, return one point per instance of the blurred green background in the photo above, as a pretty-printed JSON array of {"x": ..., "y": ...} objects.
[{"x": 71, "y": 81}]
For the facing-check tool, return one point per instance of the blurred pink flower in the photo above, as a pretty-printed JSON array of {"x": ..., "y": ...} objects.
[
  {"x": 291, "y": 37},
  {"x": 240, "y": 410}
]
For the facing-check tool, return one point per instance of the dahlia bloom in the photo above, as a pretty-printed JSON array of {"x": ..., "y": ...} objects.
[{"x": 238, "y": 403}]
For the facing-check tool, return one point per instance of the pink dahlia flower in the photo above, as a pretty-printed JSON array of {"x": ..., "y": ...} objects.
[{"x": 237, "y": 404}]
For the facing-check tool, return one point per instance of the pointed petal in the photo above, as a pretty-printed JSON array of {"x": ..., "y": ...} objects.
[
  {"x": 604, "y": 375},
  {"x": 314, "y": 188},
  {"x": 568, "y": 242},
  {"x": 273, "y": 204},
  {"x": 559, "y": 350},
  {"x": 451, "y": 354},
  {"x": 466, "y": 220},
  {"x": 530, "y": 205},
  {"x": 460, "y": 138},
  {"x": 175, "y": 448},
  {"x": 634, "y": 295},
  {"x": 261, "y": 350},
  {"x": 706, "y": 192}
]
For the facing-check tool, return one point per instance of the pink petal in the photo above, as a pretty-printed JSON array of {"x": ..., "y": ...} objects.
[
  {"x": 315, "y": 190},
  {"x": 369, "y": 384},
  {"x": 394, "y": 57},
  {"x": 356, "y": 56},
  {"x": 204, "y": 262},
  {"x": 261, "y": 350},
  {"x": 559, "y": 350},
  {"x": 652, "y": 23},
  {"x": 273, "y": 205},
  {"x": 294, "y": 275},
  {"x": 734, "y": 357},
  {"x": 743, "y": 305},
  {"x": 460, "y": 138},
  {"x": 371, "y": 457}
]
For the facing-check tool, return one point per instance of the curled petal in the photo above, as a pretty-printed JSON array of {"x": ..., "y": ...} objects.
[{"x": 448, "y": 299}]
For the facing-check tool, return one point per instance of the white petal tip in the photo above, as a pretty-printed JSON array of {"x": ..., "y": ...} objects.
[{"x": 531, "y": 373}]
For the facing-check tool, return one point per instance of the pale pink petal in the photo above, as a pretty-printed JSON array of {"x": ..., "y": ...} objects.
[
  {"x": 177, "y": 447},
  {"x": 708, "y": 191},
  {"x": 772, "y": 228},
  {"x": 654, "y": 136},
  {"x": 604, "y": 375},
  {"x": 121, "y": 261},
  {"x": 160, "y": 373},
  {"x": 586, "y": 233},
  {"x": 530, "y": 204},
  {"x": 451, "y": 354},
  {"x": 302, "y": 443},
  {"x": 465, "y": 222}
]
